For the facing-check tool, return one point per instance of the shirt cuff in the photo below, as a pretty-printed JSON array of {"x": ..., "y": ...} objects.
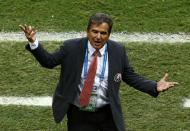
[{"x": 34, "y": 45}]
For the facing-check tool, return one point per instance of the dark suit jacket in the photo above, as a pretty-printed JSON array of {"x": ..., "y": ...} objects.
[{"x": 71, "y": 57}]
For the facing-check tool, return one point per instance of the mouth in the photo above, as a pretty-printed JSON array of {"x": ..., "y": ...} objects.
[{"x": 97, "y": 43}]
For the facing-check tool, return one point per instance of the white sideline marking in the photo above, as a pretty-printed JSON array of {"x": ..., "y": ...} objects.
[
  {"x": 186, "y": 103},
  {"x": 27, "y": 101},
  {"x": 44, "y": 101},
  {"x": 120, "y": 37}
]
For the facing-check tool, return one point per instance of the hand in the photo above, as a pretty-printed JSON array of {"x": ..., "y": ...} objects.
[
  {"x": 29, "y": 32},
  {"x": 164, "y": 85}
]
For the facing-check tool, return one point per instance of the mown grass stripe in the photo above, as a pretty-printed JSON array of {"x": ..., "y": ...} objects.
[{"x": 121, "y": 37}]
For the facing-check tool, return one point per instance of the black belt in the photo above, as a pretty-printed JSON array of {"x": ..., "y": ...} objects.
[{"x": 100, "y": 109}]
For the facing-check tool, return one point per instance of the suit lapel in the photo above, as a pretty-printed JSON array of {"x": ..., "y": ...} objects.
[
  {"x": 111, "y": 63},
  {"x": 80, "y": 55},
  {"x": 111, "y": 58}
]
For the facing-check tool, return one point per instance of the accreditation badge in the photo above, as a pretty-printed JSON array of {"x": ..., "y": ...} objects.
[{"x": 91, "y": 107}]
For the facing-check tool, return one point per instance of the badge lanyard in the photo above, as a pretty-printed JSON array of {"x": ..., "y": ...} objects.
[
  {"x": 102, "y": 75},
  {"x": 92, "y": 104}
]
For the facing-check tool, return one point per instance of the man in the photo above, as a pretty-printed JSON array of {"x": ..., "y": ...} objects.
[{"x": 91, "y": 71}]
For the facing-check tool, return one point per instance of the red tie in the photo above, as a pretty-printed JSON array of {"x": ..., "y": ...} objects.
[{"x": 88, "y": 83}]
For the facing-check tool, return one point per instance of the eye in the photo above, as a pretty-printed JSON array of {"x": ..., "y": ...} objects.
[
  {"x": 94, "y": 31},
  {"x": 103, "y": 33}
]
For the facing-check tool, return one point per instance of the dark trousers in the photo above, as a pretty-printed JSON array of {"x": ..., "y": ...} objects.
[{"x": 100, "y": 120}]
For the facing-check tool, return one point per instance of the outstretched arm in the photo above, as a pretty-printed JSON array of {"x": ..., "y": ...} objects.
[
  {"x": 145, "y": 85},
  {"x": 46, "y": 59}
]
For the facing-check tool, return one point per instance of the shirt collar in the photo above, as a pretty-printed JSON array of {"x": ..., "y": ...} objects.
[{"x": 91, "y": 50}]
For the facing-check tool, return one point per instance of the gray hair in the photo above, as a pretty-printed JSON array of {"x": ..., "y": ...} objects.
[{"x": 100, "y": 18}]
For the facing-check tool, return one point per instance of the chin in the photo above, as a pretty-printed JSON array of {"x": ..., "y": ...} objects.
[{"x": 98, "y": 46}]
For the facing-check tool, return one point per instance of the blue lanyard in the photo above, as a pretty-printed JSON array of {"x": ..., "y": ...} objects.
[{"x": 103, "y": 68}]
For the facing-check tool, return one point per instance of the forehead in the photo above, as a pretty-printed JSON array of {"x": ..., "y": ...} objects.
[{"x": 100, "y": 27}]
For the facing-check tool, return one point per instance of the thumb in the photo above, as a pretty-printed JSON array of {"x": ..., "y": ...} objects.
[{"x": 165, "y": 76}]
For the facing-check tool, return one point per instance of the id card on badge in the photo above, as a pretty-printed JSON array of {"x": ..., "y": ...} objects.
[{"x": 91, "y": 107}]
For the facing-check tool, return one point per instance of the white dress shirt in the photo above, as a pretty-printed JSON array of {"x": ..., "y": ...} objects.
[
  {"x": 34, "y": 45},
  {"x": 99, "y": 87}
]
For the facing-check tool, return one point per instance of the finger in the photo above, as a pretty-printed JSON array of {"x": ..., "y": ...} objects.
[
  {"x": 175, "y": 83},
  {"x": 25, "y": 25},
  {"x": 171, "y": 84},
  {"x": 22, "y": 28},
  {"x": 165, "y": 76},
  {"x": 30, "y": 30},
  {"x": 32, "y": 34},
  {"x": 27, "y": 28}
]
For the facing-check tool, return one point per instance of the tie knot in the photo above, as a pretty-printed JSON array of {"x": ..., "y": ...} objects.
[{"x": 96, "y": 52}]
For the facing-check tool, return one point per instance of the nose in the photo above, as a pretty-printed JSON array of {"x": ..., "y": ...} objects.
[{"x": 98, "y": 36}]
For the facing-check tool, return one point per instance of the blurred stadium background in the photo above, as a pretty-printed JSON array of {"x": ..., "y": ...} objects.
[{"x": 22, "y": 76}]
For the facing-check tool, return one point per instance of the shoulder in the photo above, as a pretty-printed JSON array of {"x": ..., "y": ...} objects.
[
  {"x": 115, "y": 45},
  {"x": 73, "y": 42}
]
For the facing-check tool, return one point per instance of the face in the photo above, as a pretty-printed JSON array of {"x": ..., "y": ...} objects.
[{"x": 98, "y": 35}]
